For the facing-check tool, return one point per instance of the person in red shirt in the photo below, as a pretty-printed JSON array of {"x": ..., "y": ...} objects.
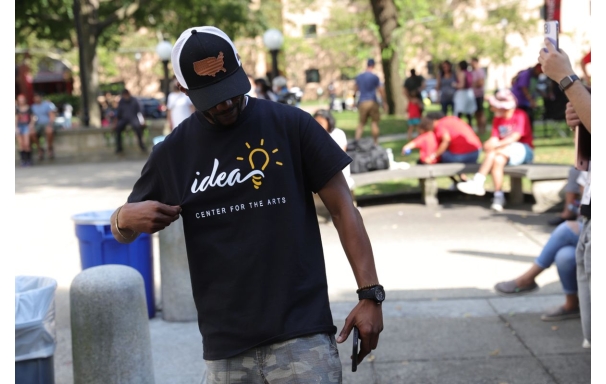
[
  {"x": 584, "y": 62},
  {"x": 509, "y": 144},
  {"x": 414, "y": 115},
  {"x": 458, "y": 143},
  {"x": 426, "y": 143}
]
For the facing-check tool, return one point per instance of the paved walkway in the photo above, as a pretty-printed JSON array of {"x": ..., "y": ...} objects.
[{"x": 443, "y": 323}]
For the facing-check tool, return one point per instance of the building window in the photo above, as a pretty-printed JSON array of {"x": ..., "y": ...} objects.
[
  {"x": 309, "y": 30},
  {"x": 312, "y": 76}
]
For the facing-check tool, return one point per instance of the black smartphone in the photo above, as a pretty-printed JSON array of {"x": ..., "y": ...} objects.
[{"x": 354, "y": 352}]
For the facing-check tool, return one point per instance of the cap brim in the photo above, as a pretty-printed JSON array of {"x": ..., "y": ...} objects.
[
  {"x": 235, "y": 85},
  {"x": 494, "y": 102}
]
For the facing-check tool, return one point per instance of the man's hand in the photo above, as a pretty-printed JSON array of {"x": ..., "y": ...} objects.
[
  {"x": 147, "y": 216},
  {"x": 385, "y": 107},
  {"x": 431, "y": 158},
  {"x": 572, "y": 119},
  {"x": 367, "y": 316},
  {"x": 555, "y": 64}
]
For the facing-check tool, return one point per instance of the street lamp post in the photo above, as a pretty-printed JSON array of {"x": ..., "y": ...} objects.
[
  {"x": 273, "y": 39},
  {"x": 164, "y": 49}
]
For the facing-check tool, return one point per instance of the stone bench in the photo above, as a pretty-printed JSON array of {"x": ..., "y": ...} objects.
[
  {"x": 425, "y": 173},
  {"x": 548, "y": 180},
  {"x": 97, "y": 144}
]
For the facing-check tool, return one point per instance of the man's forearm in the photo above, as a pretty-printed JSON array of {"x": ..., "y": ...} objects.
[
  {"x": 581, "y": 101},
  {"x": 357, "y": 246},
  {"x": 442, "y": 148},
  {"x": 122, "y": 235}
]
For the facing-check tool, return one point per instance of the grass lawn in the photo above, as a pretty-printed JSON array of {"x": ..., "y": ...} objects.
[{"x": 556, "y": 145}]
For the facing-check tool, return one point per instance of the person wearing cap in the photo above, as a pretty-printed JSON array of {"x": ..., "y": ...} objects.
[
  {"x": 240, "y": 171},
  {"x": 510, "y": 144},
  {"x": 556, "y": 65},
  {"x": 368, "y": 84}
]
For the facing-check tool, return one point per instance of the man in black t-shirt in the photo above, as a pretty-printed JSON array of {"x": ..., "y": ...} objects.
[
  {"x": 241, "y": 171},
  {"x": 128, "y": 113},
  {"x": 413, "y": 85}
]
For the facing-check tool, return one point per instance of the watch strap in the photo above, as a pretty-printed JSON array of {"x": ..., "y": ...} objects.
[{"x": 567, "y": 82}]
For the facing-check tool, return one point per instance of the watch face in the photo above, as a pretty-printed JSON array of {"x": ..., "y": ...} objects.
[{"x": 380, "y": 294}]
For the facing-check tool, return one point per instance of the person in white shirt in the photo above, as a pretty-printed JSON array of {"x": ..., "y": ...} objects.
[
  {"x": 327, "y": 121},
  {"x": 178, "y": 107}
]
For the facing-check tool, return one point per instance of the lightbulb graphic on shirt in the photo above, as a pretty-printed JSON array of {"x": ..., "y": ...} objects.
[{"x": 258, "y": 162}]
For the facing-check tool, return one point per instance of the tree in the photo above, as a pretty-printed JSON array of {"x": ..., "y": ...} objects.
[
  {"x": 386, "y": 18},
  {"x": 458, "y": 29},
  {"x": 96, "y": 22}
]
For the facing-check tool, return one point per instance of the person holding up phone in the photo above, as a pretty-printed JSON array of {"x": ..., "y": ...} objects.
[{"x": 556, "y": 65}]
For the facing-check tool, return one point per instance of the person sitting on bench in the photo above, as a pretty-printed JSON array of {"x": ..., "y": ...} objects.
[
  {"x": 559, "y": 249},
  {"x": 510, "y": 144}
]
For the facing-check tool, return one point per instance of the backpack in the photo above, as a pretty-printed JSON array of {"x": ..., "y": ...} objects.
[{"x": 366, "y": 156}]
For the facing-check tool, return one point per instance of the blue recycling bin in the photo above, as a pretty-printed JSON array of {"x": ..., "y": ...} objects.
[{"x": 99, "y": 247}]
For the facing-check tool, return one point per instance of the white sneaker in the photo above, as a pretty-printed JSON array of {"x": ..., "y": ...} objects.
[
  {"x": 472, "y": 187},
  {"x": 586, "y": 343},
  {"x": 497, "y": 203}
]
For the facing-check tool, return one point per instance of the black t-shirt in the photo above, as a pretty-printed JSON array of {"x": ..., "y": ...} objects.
[
  {"x": 413, "y": 84},
  {"x": 253, "y": 242}
]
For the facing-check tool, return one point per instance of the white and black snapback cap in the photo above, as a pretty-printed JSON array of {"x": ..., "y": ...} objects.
[{"x": 206, "y": 62}]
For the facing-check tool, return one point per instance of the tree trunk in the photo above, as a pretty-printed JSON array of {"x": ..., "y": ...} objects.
[
  {"x": 89, "y": 75},
  {"x": 385, "y": 14}
]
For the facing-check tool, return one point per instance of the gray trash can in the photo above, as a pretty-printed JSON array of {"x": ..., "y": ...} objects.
[{"x": 35, "y": 339}]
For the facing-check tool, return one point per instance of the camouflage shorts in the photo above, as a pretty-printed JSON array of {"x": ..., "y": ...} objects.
[{"x": 308, "y": 359}]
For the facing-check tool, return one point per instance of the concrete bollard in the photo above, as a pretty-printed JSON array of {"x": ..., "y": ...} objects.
[
  {"x": 177, "y": 297},
  {"x": 110, "y": 327}
]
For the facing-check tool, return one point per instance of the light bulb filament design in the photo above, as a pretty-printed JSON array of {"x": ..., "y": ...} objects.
[{"x": 256, "y": 179}]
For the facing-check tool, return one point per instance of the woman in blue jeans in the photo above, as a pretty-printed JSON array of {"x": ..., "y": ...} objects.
[{"x": 560, "y": 248}]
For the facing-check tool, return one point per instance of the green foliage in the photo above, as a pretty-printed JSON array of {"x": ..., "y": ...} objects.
[
  {"x": 47, "y": 19},
  {"x": 63, "y": 98},
  {"x": 347, "y": 40},
  {"x": 447, "y": 29}
]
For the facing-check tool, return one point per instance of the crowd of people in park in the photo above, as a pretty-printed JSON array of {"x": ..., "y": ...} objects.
[
  {"x": 303, "y": 155},
  {"x": 228, "y": 119},
  {"x": 449, "y": 139}
]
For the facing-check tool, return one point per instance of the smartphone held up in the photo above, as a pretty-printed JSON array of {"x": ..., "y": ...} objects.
[{"x": 552, "y": 32}]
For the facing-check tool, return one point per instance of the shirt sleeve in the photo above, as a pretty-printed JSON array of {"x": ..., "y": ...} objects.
[
  {"x": 321, "y": 156},
  {"x": 149, "y": 185},
  {"x": 419, "y": 141}
]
